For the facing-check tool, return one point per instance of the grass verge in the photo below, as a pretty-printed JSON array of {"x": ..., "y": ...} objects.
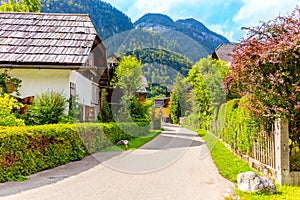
[
  {"x": 135, "y": 143},
  {"x": 224, "y": 159},
  {"x": 229, "y": 166}
]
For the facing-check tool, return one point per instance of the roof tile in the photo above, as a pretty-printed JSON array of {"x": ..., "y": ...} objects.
[{"x": 45, "y": 38}]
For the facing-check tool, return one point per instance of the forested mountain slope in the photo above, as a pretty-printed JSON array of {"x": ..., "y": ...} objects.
[{"x": 107, "y": 19}]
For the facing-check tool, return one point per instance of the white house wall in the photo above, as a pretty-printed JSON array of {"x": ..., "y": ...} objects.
[
  {"x": 85, "y": 90},
  {"x": 37, "y": 81}
]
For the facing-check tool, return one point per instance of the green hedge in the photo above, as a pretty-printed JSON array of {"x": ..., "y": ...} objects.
[
  {"x": 29, "y": 149},
  {"x": 236, "y": 126}
]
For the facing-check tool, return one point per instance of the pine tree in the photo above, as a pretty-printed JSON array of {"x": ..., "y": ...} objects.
[
  {"x": 174, "y": 109},
  {"x": 177, "y": 104},
  {"x": 178, "y": 90}
]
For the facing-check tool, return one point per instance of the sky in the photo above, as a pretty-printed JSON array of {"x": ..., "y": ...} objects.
[{"x": 225, "y": 17}]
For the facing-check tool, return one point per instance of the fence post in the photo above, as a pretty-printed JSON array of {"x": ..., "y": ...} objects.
[{"x": 282, "y": 159}]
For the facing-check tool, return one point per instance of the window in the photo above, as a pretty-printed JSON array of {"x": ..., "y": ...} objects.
[
  {"x": 95, "y": 94},
  {"x": 72, "y": 89}
]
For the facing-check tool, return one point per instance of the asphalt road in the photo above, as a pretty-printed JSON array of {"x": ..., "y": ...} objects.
[{"x": 175, "y": 165}]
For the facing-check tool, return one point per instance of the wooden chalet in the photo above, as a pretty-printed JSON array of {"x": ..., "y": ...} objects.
[{"x": 55, "y": 52}]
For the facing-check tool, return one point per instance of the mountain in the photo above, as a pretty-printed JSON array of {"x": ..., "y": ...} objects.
[
  {"x": 107, "y": 19},
  {"x": 187, "y": 37},
  {"x": 189, "y": 27},
  {"x": 161, "y": 67},
  {"x": 163, "y": 57},
  {"x": 137, "y": 39},
  {"x": 154, "y": 20}
]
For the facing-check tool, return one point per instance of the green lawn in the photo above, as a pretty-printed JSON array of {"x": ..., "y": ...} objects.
[
  {"x": 229, "y": 166},
  {"x": 135, "y": 143},
  {"x": 225, "y": 159}
]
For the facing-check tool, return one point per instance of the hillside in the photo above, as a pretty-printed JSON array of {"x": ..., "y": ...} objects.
[
  {"x": 189, "y": 27},
  {"x": 142, "y": 38},
  {"x": 188, "y": 37},
  {"x": 163, "y": 57},
  {"x": 107, "y": 19}
]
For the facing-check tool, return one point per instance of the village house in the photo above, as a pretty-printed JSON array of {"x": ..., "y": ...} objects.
[
  {"x": 55, "y": 52},
  {"x": 223, "y": 52}
]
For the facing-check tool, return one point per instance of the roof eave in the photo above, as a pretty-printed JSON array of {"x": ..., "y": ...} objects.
[{"x": 33, "y": 66}]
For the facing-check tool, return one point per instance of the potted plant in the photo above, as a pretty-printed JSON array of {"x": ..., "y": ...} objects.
[{"x": 9, "y": 84}]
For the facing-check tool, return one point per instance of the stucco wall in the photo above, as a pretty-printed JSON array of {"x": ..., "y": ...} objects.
[
  {"x": 85, "y": 90},
  {"x": 37, "y": 81}
]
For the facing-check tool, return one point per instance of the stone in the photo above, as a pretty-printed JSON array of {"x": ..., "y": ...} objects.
[
  {"x": 251, "y": 182},
  {"x": 123, "y": 142}
]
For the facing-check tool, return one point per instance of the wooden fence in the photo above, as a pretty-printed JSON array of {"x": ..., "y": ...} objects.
[
  {"x": 271, "y": 151},
  {"x": 263, "y": 148}
]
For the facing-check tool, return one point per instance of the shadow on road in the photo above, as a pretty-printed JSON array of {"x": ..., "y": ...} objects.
[{"x": 56, "y": 174}]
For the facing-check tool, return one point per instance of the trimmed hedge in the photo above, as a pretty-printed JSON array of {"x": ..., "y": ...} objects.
[
  {"x": 29, "y": 149},
  {"x": 236, "y": 126}
]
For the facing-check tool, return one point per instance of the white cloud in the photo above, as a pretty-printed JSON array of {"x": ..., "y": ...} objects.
[
  {"x": 216, "y": 14},
  {"x": 141, "y": 7},
  {"x": 255, "y": 11},
  {"x": 222, "y": 30}
]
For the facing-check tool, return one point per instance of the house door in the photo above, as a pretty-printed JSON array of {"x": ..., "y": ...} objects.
[{"x": 89, "y": 114}]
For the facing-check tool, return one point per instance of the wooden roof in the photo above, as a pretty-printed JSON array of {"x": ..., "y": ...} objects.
[
  {"x": 45, "y": 39},
  {"x": 223, "y": 52}
]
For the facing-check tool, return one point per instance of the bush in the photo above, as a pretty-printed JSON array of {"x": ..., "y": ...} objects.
[
  {"x": 192, "y": 120},
  {"x": 236, "y": 126},
  {"x": 46, "y": 109},
  {"x": 29, "y": 149},
  {"x": 105, "y": 114},
  {"x": 134, "y": 129},
  {"x": 7, "y": 117},
  {"x": 66, "y": 119},
  {"x": 139, "y": 112}
]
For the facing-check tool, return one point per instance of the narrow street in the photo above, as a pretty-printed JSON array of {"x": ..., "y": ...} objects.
[{"x": 175, "y": 165}]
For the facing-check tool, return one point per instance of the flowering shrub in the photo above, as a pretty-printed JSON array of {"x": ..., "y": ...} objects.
[
  {"x": 265, "y": 67},
  {"x": 7, "y": 116}
]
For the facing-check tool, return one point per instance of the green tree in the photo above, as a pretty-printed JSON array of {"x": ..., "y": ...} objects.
[
  {"x": 265, "y": 67},
  {"x": 214, "y": 72},
  {"x": 21, "y": 6},
  {"x": 178, "y": 103},
  {"x": 33, "y": 5},
  {"x": 174, "y": 109},
  {"x": 128, "y": 76},
  {"x": 200, "y": 98},
  {"x": 179, "y": 91}
]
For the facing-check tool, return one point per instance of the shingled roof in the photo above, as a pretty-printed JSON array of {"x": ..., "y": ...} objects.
[
  {"x": 45, "y": 39},
  {"x": 223, "y": 52}
]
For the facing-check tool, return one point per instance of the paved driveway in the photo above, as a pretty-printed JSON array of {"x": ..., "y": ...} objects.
[{"x": 175, "y": 165}]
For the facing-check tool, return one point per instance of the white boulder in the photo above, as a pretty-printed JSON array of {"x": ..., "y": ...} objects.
[
  {"x": 123, "y": 142},
  {"x": 251, "y": 182}
]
